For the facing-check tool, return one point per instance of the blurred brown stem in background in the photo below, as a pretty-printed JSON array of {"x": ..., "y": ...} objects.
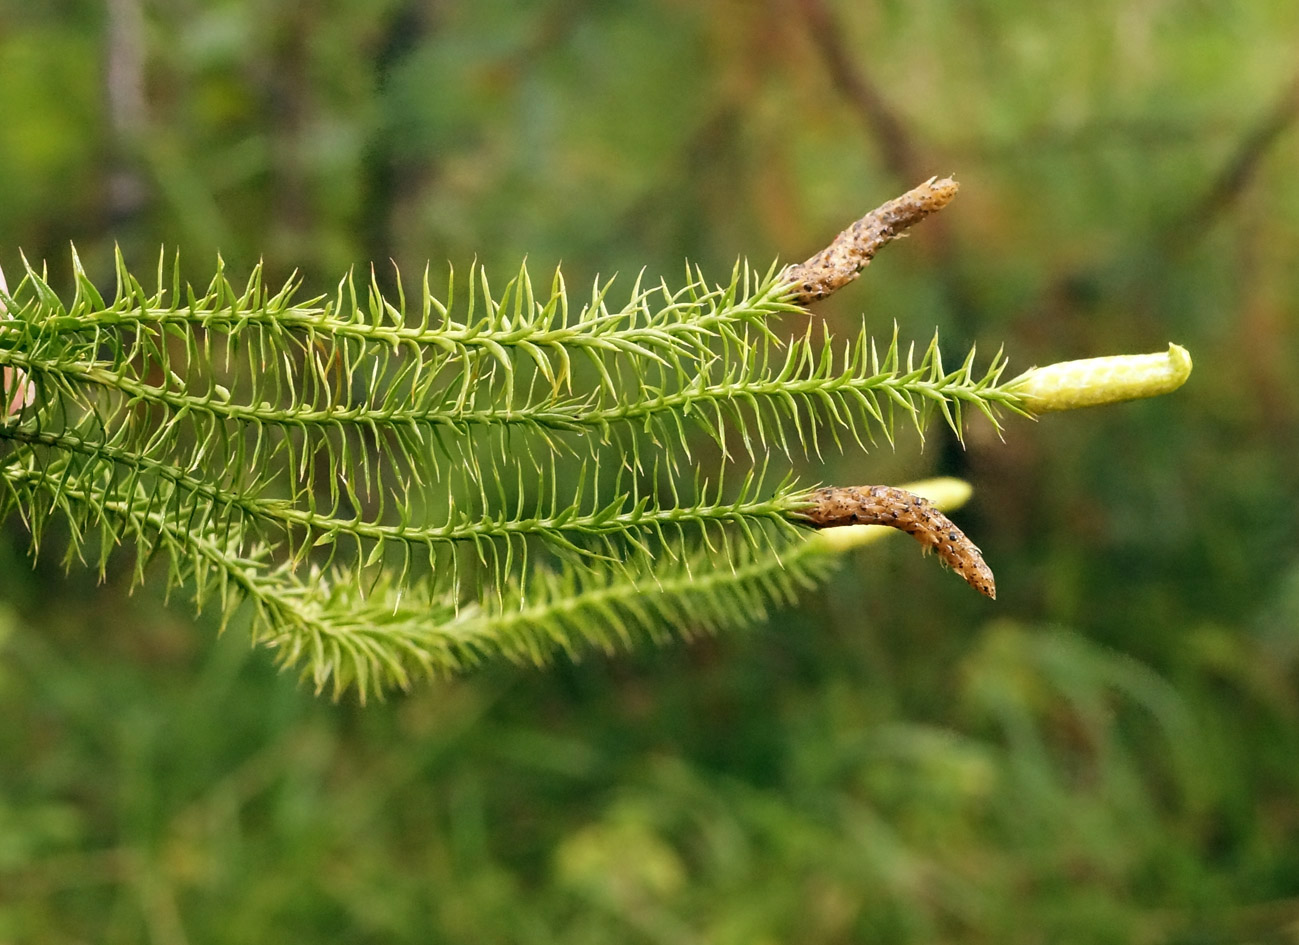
[
  {"x": 127, "y": 108},
  {"x": 900, "y": 152},
  {"x": 1242, "y": 166}
]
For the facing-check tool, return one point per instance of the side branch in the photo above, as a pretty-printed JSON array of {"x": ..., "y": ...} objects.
[
  {"x": 853, "y": 249},
  {"x": 884, "y": 505}
]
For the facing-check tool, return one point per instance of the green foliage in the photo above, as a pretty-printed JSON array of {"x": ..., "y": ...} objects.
[{"x": 361, "y": 468}]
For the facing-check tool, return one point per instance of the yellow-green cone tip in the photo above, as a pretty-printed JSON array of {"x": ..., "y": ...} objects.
[{"x": 1095, "y": 381}]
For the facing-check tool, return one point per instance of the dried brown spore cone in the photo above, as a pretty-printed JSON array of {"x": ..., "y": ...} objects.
[
  {"x": 836, "y": 506},
  {"x": 844, "y": 259}
]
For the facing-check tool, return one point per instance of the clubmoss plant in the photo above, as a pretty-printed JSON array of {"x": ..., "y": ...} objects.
[{"x": 398, "y": 488}]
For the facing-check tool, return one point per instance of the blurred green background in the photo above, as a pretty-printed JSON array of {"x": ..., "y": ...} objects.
[{"x": 1109, "y": 753}]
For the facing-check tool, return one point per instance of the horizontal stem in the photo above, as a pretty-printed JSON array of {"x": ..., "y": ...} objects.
[
  {"x": 571, "y": 414},
  {"x": 612, "y": 519}
]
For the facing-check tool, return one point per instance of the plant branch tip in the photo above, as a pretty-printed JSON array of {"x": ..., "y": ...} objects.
[
  {"x": 840, "y": 506},
  {"x": 1091, "y": 382},
  {"x": 947, "y": 493},
  {"x": 852, "y": 250}
]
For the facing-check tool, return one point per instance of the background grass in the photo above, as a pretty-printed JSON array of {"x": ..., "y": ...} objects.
[{"x": 1109, "y": 753}]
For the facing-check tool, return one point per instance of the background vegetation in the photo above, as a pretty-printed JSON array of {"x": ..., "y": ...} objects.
[{"x": 1109, "y": 753}]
